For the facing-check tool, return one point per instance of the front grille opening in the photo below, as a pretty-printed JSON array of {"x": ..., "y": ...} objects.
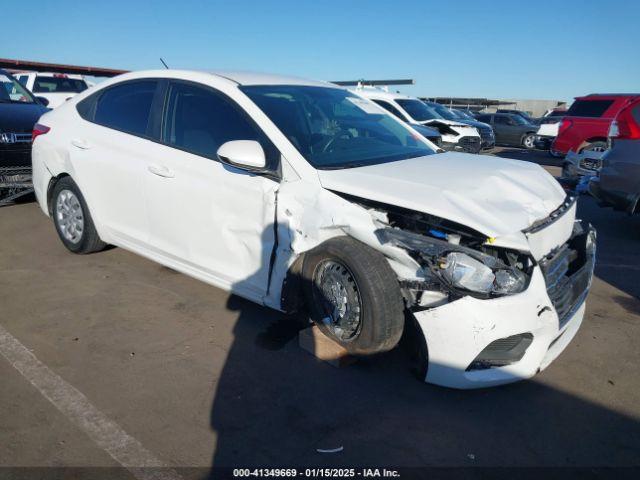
[
  {"x": 502, "y": 352},
  {"x": 566, "y": 273}
]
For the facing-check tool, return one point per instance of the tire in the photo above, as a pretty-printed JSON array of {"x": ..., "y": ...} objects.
[
  {"x": 595, "y": 147},
  {"x": 528, "y": 141},
  {"x": 72, "y": 218},
  {"x": 345, "y": 272}
]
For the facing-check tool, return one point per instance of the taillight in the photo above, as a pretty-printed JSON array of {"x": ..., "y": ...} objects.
[
  {"x": 625, "y": 125},
  {"x": 564, "y": 126},
  {"x": 38, "y": 130}
]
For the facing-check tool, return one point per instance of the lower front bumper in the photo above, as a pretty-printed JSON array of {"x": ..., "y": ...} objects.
[{"x": 456, "y": 333}]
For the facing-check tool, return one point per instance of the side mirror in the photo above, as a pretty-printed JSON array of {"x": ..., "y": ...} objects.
[
  {"x": 43, "y": 101},
  {"x": 244, "y": 154}
]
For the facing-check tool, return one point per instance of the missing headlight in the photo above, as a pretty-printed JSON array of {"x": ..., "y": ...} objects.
[{"x": 459, "y": 269}]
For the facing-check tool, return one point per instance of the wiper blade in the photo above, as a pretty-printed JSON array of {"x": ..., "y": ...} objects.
[{"x": 343, "y": 166}]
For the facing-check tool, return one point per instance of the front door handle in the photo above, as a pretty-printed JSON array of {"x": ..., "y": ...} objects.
[
  {"x": 161, "y": 171},
  {"x": 81, "y": 144}
]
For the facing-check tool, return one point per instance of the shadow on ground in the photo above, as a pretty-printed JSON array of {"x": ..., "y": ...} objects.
[{"x": 276, "y": 405}]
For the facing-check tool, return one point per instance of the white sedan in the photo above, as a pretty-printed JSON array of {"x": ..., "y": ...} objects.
[{"x": 300, "y": 195}]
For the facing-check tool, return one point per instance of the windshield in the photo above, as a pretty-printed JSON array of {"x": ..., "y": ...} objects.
[
  {"x": 58, "y": 84},
  {"x": 332, "y": 128},
  {"x": 443, "y": 111},
  {"x": 418, "y": 110},
  {"x": 464, "y": 115},
  {"x": 519, "y": 120},
  {"x": 12, "y": 92}
]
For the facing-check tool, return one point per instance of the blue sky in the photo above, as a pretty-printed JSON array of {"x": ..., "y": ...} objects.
[{"x": 500, "y": 49}]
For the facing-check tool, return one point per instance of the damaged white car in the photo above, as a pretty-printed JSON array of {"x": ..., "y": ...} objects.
[{"x": 301, "y": 195}]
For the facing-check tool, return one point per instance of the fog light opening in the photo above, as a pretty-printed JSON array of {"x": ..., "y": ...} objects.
[{"x": 502, "y": 352}]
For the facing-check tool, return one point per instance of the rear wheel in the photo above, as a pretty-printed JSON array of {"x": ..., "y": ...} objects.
[
  {"x": 528, "y": 141},
  {"x": 353, "y": 296},
  {"x": 72, "y": 218}
]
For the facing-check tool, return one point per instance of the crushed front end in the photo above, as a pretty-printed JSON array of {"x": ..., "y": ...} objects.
[{"x": 492, "y": 315}]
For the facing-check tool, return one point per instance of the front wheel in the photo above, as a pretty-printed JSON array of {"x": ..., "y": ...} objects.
[
  {"x": 353, "y": 296},
  {"x": 72, "y": 218},
  {"x": 528, "y": 141}
]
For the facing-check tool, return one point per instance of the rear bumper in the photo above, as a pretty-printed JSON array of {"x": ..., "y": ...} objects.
[
  {"x": 456, "y": 333},
  {"x": 543, "y": 142}
]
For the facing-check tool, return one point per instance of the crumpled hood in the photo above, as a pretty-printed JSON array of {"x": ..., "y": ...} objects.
[{"x": 492, "y": 195}]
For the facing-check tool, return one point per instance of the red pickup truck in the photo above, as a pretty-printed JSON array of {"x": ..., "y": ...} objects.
[{"x": 586, "y": 124}]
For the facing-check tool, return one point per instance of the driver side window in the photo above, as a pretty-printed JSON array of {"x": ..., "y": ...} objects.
[{"x": 199, "y": 121}]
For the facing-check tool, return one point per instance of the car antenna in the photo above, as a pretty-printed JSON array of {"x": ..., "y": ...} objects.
[{"x": 163, "y": 62}]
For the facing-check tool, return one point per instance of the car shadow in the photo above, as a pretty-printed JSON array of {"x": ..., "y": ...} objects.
[{"x": 276, "y": 405}]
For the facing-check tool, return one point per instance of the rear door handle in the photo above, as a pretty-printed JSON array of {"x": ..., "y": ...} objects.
[
  {"x": 161, "y": 171},
  {"x": 81, "y": 144}
]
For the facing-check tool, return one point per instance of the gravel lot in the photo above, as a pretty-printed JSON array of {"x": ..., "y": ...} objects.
[{"x": 199, "y": 377}]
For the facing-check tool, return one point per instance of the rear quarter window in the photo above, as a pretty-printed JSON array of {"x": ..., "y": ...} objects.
[
  {"x": 125, "y": 107},
  {"x": 589, "y": 108}
]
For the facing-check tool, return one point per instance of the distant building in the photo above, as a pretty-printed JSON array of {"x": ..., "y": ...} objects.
[{"x": 535, "y": 108}]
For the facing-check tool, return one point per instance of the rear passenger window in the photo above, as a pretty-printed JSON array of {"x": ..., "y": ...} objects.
[
  {"x": 126, "y": 107},
  {"x": 484, "y": 118},
  {"x": 200, "y": 121},
  {"x": 589, "y": 108},
  {"x": 501, "y": 120}
]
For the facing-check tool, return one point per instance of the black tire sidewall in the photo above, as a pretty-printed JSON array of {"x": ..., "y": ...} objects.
[
  {"x": 67, "y": 183},
  {"x": 381, "y": 322}
]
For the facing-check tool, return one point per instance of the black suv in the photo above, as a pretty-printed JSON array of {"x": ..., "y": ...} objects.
[
  {"x": 510, "y": 129},
  {"x": 19, "y": 111}
]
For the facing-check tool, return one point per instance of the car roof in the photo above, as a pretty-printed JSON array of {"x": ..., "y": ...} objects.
[
  {"x": 236, "y": 76},
  {"x": 258, "y": 78},
  {"x": 381, "y": 94},
  {"x": 72, "y": 76},
  {"x": 607, "y": 95}
]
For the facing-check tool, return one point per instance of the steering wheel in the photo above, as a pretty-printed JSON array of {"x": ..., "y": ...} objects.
[{"x": 343, "y": 134}]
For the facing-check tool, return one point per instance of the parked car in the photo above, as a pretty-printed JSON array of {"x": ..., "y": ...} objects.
[
  {"x": 527, "y": 118},
  {"x": 299, "y": 194},
  {"x": 456, "y": 136},
  {"x": 19, "y": 111},
  {"x": 488, "y": 139},
  {"x": 618, "y": 183},
  {"x": 429, "y": 133},
  {"x": 510, "y": 129},
  {"x": 55, "y": 87},
  {"x": 586, "y": 124}
]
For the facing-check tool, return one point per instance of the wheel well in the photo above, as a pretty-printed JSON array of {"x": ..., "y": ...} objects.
[
  {"x": 291, "y": 300},
  {"x": 596, "y": 139},
  {"x": 52, "y": 185}
]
